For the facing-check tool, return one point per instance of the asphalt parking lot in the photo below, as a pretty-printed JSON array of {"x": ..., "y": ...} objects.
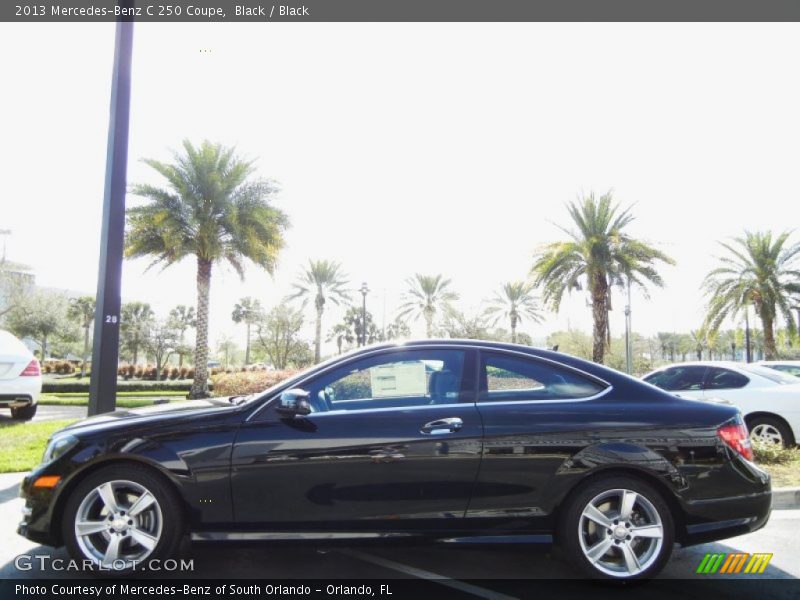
[
  {"x": 50, "y": 413},
  {"x": 454, "y": 567}
]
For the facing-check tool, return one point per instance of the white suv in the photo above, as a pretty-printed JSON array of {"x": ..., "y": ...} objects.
[{"x": 20, "y": 378}]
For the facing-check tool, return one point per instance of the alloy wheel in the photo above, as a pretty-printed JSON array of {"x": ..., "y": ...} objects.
[
  {"x": 621, "y": 533},
  {"x": 118, "y": 524},
  {"x": 765, "y": 433}
]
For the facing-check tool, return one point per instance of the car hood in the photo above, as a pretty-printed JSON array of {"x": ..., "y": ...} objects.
[{"x": 156, "y": 413}]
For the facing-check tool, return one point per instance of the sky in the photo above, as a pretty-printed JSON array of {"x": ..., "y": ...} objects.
[{"x": 403, "y": 148}]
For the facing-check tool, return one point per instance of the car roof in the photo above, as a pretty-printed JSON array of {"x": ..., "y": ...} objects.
[{"x": 600, "y": 371}]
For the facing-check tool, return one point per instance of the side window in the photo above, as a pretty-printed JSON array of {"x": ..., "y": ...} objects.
[
  {"x": 394, "y": 379},
  {"x": 679, "y": 378},
  {"x": 791, "y": 369},
  {"x": 511, "y": 378},
  {"x": 723, "y": 379}
]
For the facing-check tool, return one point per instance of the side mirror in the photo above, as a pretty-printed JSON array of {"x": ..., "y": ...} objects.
[{"x": 294, "y": 402}]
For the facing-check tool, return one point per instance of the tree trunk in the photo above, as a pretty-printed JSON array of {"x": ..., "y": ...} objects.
[
  {"x": 200, "y": 383},
  {"x": 513, "y": 329},
  {"x": 44, "y": 347},
  {"x": 135, "y": 354},
  {"x": 771, "y": 352},
  {"x": 85, "y": 350},
  {"x": 318, "y": 336},
  {"x": 600, "y": 316},
  {"x": 247, "y": 346}
]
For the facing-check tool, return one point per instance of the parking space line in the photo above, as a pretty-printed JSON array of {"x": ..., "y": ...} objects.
[{"x": 427, "y": 575}]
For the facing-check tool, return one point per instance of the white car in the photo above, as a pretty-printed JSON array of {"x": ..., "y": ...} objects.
[
  {"x": 768, "y": 399},
  {"x": 792, "y": 367},
  {"x": 20, "y": 378}
]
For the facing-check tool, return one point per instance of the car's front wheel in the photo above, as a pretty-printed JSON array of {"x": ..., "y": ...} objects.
[
  {"x": 617, "y": 528},
  {"x": 119, "y": 518}
]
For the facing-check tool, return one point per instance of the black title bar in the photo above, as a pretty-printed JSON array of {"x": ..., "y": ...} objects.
[{"x": 399, "y": 10}]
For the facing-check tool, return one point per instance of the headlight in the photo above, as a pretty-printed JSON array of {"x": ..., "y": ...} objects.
[{"x": 57, "y": 447}]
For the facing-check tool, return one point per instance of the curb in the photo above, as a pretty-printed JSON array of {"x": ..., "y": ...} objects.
[{"x": 785, "y": 498}]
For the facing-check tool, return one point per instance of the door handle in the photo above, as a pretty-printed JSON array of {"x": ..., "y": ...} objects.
[{"x": 442, "y": 426}]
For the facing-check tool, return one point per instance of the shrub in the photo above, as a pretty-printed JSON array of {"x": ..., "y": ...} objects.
[
  {"x": 241, "y": 383},
  {"x": 174, "y": 372},
  {"x": 62, "y": 387},
  {"x": 774, "y": 454}
]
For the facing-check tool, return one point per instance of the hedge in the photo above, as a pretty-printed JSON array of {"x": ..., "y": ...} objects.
[
  {"x": 234, "y": 384},
  {"x": 55, "y": 387}
]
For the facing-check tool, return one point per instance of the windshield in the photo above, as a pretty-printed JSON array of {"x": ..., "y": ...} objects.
[{"x": 770, "y": 374}]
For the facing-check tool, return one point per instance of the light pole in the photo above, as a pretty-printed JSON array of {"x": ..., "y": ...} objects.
[
  {"x": 747, "y": 353},
  {"x": 628, "y": 330},
  {"x": 364, "y": 291},
  {"x": 105, "y": 353}
]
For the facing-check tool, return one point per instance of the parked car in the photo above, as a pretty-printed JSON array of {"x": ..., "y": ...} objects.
[
  {"x": 768, "y": 399},
  {"x": 20, "y": 377},
  {"x": 451, "y": 440},
  {"x": 792, "y": 367}
]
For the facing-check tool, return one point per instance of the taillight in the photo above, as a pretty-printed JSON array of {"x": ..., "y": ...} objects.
[
  {"x": 32, "y": 370},
  {"x": 735, "y": 435}
]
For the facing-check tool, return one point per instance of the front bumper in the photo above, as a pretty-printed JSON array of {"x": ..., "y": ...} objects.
[{"x": 37, "y": 514}]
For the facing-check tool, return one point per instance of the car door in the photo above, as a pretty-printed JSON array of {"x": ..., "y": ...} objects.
[{"x": 393, "y": 442}]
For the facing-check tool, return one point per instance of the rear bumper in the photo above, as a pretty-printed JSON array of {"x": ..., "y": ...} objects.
[
  {"x": 15, "y": 401},
  {"x": 19, "y": 392},
  {"x": 721, "y": 518}
]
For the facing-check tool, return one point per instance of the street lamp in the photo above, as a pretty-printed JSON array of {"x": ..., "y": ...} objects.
[
  {"x": 628, "y": 330},
  {"x": 364, "y": 291}
]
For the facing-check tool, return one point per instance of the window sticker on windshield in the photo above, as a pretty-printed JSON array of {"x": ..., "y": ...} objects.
[{"x": 398, "y": 379}]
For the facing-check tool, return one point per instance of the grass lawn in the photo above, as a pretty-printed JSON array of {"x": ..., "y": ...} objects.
[
  {"x": 785, "y": 474},
  {"x": 22, "y": 444},
  {"x": 123, "y": 400}
]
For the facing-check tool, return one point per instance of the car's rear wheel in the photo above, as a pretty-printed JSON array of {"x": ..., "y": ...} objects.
[
  {"x": 121, "y": 517},
  {"x": 769, "y": 430},
  {"x": 617, "y": 528},
  {"x": 24, "y": 413}
]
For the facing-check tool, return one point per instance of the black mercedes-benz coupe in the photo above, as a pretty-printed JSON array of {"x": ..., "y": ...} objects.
[{"x": 443, "y": 439}]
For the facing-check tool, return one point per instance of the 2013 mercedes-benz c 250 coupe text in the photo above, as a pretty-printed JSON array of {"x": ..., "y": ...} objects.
[{"x": 444, "y": 439}]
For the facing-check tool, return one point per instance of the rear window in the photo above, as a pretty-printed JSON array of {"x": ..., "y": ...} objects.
[{"x": 510, "y": 378}]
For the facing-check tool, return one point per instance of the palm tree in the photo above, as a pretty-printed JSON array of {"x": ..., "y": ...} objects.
[
  {"x": 322, "y": 280},
  {"x": 213, "y": 211},
  {"x": 82, "y": 310},
  {"x": 247, "y": 311},
  {"x": 135, "y": 322},
  {"x": 759, "y": 270},
  {"x": 426, "y": 295},
  {"x": 182, "y": 317},
  {"x": 515, "y": 303},
  {"x": 598, "y": 255},
  {"x": 698, "y": 341}
]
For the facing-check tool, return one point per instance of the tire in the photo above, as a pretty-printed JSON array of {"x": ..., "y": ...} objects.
[
  {"x": 24, "y": 413},
  {"x": 614, "y": 551},
  {"x": 770, "y": 430},
  {"x": 117, "y": 543}
]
